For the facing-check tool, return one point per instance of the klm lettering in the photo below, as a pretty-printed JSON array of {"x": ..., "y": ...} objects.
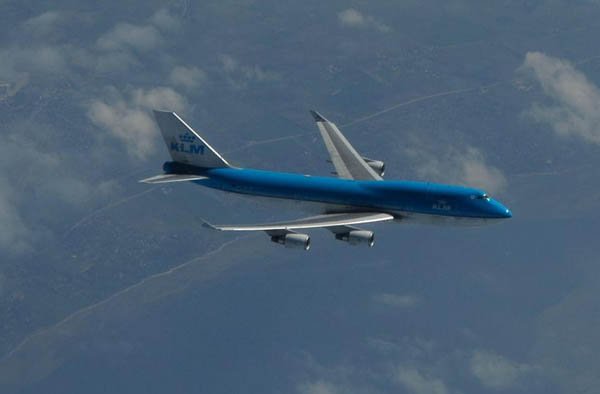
[
  {"x": 187, "y": 148},
  {"x": 442, "y": 205}
]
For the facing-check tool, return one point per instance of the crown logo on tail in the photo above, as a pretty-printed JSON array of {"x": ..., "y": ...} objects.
[{"x": 187, "y": 138}]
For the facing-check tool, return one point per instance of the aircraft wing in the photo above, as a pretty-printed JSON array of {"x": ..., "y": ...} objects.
[
  {"x": 331, "y": 220},
  {"x": 346, "y": 160}
]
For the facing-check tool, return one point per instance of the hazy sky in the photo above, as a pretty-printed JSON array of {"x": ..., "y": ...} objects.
[{"x": 108, "y": 285}]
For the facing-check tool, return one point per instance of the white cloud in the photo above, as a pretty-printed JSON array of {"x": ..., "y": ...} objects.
[
  {"x": 411, "y": 365},
  {"x": 410, "y": 348},
  {"x": 128, "y": 117},
  {"x": 239, "y": 74},
  {"x": 229, "y": 63},
  {"x": 466, "y": 167},
  {"x": 474, "y": 171},
  {"x": 44, "y": 59},
  {"x": 18, "y": 63},
  {"x": 14, "y": 83},
  {"x": 119, "y": 48},
  {"x": 257, "y": 73},
  {"x": 107, "y": 61},
  {"x": 396, "y": 300},
  {"x": 334, "y": 379},
  {"x": 165, "y": 20},
  {"x": 34, "y": 175},
  {"x": 567, "y": 341},
  {"x": 187, "y": 77},
  {"x": 354, "y": 19},
  {"x": 495, "y": 371},
  {"x": 42, "y": 24},
  {"x": 131, "y": 125},
  {"x": 36, "y": 163},
  {"x": 128, "y": 36},
  {"x": 351, "y": 17},
  {"x": 161, "y": 98},
  {"x": 318, "y": 387},
  {"x": 416, "y": 383},
  {"x": 577, "y": 100},
  {"x": 32, "y": 59}
]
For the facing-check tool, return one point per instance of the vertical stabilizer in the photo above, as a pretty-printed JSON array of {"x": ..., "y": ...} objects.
[{"x": 185, "y": 145}]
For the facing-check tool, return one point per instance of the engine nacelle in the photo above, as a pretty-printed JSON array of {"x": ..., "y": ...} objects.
[
  {"x": 377, "y": 165},
  {"x": 293, "y": 240},
  {"x": 358, "y": 237}
]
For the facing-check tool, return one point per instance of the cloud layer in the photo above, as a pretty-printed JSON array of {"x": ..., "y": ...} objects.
[
  {"x": 576, "y": 108},
  {"x": 396, "y": 300},
  {"x": 187, "y": 77},
  {"x": 42, "y": 24},
  {"x": 354, "y": 19},
  {"x": 50, "y": 174},
  {"x": 35, "y": 174},
  {"x": 128, "y": 116},
  {"x": 125, "y": 35},
  {"x": 239, "y": 75},
  {"x": 415, "y": 382},
  {"x": 466, "y": 167},
  {"x": 496, "y": 372}
]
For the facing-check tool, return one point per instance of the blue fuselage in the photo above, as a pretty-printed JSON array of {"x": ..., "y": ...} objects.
[{"x": 404, "y": 199}]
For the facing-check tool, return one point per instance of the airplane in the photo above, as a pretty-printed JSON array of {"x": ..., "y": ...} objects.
[{"x": 358, "y": 195}]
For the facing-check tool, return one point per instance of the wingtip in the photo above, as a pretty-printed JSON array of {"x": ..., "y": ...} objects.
[
  {"x": 159, "y": 112},
  {"x": 318, "y": 117},
  {"x": 207, "y": 225}
]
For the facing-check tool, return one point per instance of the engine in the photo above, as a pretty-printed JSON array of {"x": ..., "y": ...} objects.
[
  {"x": 377, "y": 165},
  {"x": 293, "y": 240},
  {"x": 358, "y": 237}
]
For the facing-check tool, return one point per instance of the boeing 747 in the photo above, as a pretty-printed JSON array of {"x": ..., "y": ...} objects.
[{"x": 358, "y": 195}]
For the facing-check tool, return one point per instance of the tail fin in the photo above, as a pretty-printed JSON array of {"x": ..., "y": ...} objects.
[{"x": 185, "y": 145}]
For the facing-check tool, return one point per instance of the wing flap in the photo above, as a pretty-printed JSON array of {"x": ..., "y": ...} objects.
[
  {"x": 327, "y": 220},
  {"x": 346, "y": 160}
]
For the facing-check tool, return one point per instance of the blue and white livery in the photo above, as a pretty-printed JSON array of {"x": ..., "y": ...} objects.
[{"x": 358, "y": 195}]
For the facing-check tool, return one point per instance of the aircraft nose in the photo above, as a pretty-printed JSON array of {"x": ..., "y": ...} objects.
[{"x": 500, "y": 211}]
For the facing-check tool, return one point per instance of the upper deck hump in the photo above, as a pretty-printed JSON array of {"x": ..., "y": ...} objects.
[{"x": 272, "y": 177}]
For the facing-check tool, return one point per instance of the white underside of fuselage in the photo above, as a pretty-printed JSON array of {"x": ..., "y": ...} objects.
[{"x": 318, "y": 208}]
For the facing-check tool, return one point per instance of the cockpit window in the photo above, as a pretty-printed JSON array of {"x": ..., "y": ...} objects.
[{"x": 484, "y": 196}]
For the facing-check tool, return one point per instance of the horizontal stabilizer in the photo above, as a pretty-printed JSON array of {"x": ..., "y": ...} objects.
[{"x": 166, "y": 178}]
